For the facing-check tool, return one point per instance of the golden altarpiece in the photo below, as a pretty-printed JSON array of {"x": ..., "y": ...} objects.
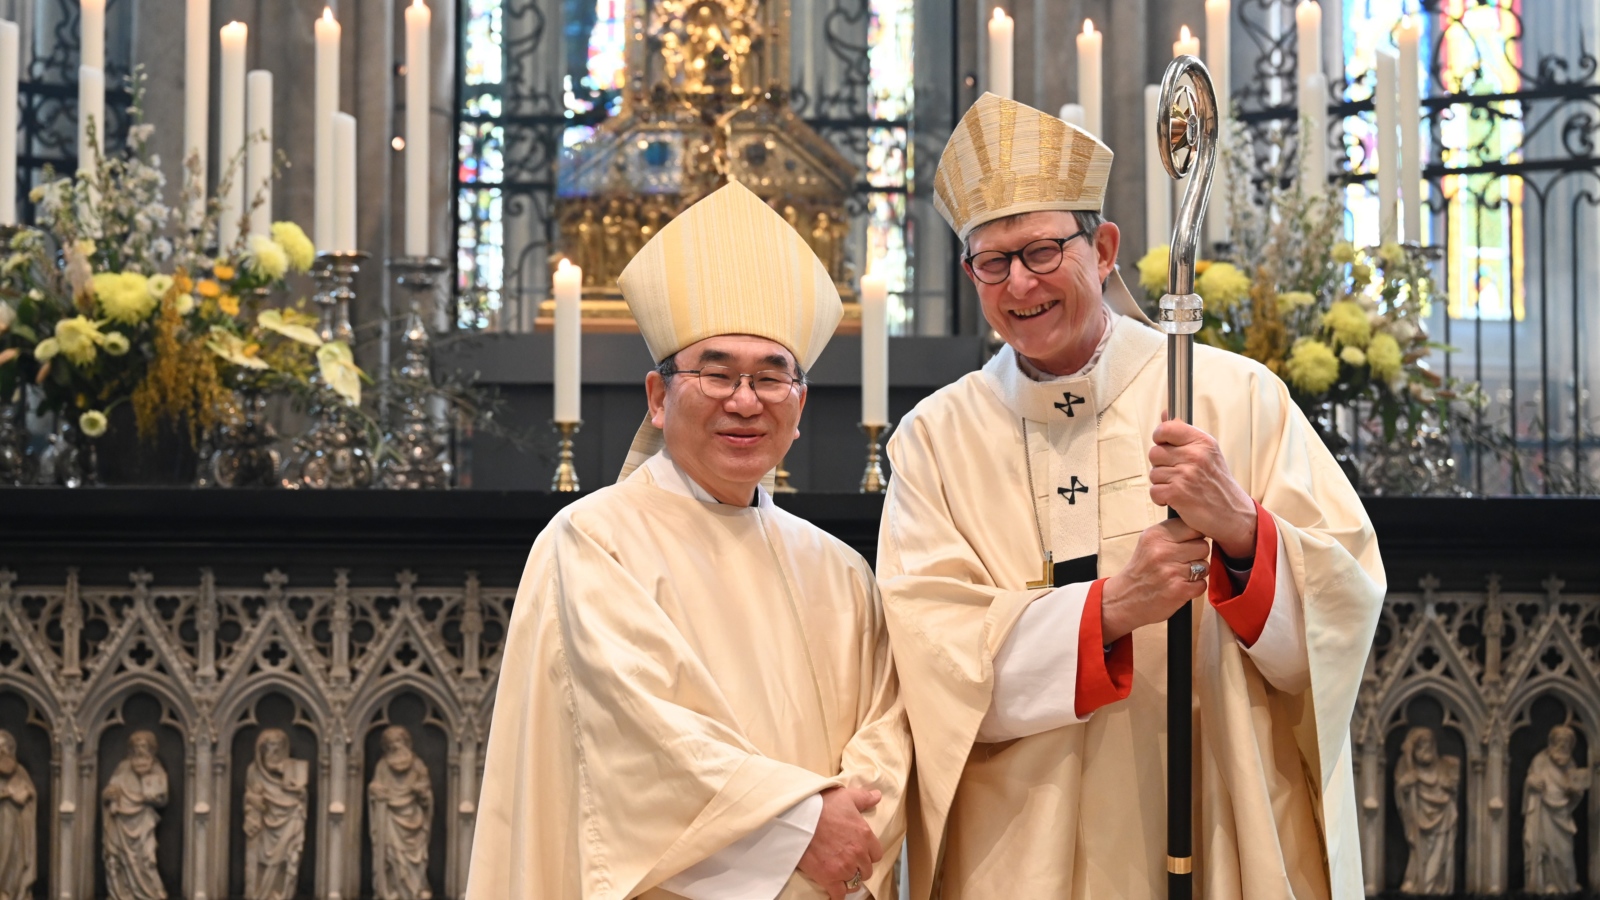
[{"x": 706, "y": 101}]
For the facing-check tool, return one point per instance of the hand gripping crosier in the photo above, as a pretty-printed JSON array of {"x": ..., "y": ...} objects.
[{"x": 1186, "y": 135}]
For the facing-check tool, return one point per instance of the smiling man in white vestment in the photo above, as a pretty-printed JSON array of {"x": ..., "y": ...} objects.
[
  {"x": 696, "y": 697},
  {"x": 1028, "y": 570}
]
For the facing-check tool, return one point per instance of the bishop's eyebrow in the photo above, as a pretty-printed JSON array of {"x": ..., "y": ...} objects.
[{"x": 709, "y": 355}]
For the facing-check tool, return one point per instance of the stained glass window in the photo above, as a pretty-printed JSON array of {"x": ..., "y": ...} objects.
[
  {"x": 1482, "y": 223},
  {"x": 889, "y": 153},
  {"x": 480, "y": 242}
]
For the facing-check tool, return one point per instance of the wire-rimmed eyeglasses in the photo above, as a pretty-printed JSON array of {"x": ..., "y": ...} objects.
[
  {"x": 1041, "y": 257},
  {"x": 721, "y": 382}
]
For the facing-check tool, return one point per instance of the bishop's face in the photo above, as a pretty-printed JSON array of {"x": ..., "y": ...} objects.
[
  {"x": 1052, "y": 319},
  {"x": 727, "y": 445}
]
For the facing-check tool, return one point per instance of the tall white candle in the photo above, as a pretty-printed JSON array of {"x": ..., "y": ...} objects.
[
  {"x": 344, "y": 183},
  {"x": 324, "y": 104},
  {"x": 1388, "y": 144},
  {"x": 1308, "y": 37},
  {"x": 91, "y": 109},
  {"x": 1089, "y": 47},
  {"x": 1314, "y": 138},
  {"x": 874, "y": 350},
  {"x": 9, "y": 62},
  {"x": 230, "y": 135},
  {"x": 1410, "y": 116},
  {"x": 1157, "y": 184},
  {"x": 92, "y": 33},
  {"x": 418, "y": 68},
  {"x": 1218, "y": 60},
  {"x": 1072, "y": 114},
  {"x": 568, "y": 287},
  {"x": 196, "y": 104},
  {"x": 1002, "y": 31},
  {"x": 258, "y": 124},
  {"x": 1186, "y": 44}
]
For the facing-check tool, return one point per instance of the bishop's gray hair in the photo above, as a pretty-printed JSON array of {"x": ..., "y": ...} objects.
[{"x": 1088, "y": 219}]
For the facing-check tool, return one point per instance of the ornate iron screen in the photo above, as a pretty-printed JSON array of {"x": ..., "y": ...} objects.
[{"x": 1511, "y": 109}]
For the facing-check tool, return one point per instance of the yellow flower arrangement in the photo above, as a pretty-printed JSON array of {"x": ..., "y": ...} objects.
[
  {"x": 229, "y": 304},
  {"x": 1391, "y": 255},
  {"x": 208, "y": 289},
  {"x": 1343, "y": 252},
  {"x": 1222, "y": 285},
  {"x": 123, "y": 296},
  {"x": 1384, "y": 357},
  {"x": 1289, "y": 301},
  {"x": 184, "y": 303},
  {"x": 1311, "y": 366},
  {"x": 265, "y": 258},
  {"x": 292, "y": 238},
  {"x": 1349, "y": 324},
  {"x": 159, "y": 285},
  {"x": 1355, "y": 356},
  {"x": 116, "y": 343},
  {"x": 223, "y": 271}
]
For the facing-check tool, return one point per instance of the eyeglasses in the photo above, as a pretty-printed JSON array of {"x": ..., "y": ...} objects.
[
  {"x": 1041, "y": 257},
  {"x": 721, "y": 382}
]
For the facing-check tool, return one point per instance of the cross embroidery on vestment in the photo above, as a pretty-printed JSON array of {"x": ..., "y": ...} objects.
[
  {"x": 1071, "y": 401},
  {"x": 1071, "y": 493}
]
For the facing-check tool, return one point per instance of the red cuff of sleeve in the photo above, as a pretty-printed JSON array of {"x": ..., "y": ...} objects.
[
  {"x": 1103, "y": 676},
  {"x": 1247, "y": 613}
]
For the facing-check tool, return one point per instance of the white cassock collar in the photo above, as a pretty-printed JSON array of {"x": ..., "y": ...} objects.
[
  {"x": 669, "y": 476},
  {"x": 1121, "y": 355}
]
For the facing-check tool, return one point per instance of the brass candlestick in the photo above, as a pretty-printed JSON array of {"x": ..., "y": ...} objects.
[
  {"x": 565, "y": 480},
  {"x": 872, "y": 480}
]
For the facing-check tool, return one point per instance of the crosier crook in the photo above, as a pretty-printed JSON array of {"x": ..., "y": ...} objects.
[{"x": 1186, "y": 124}]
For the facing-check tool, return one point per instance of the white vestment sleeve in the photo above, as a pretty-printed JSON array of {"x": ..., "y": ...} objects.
[
  {"x": 758, "y": 865},
  {"x": 1036, "y": 670},
  {"x": 1280, "y": 650}
]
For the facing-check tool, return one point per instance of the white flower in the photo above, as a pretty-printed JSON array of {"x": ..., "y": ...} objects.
[
  {"x": 116, "y": 343},
  {"x": 7, "y": 316},
  {"x": 92, "y": 423},
  {"x": 47, "y": 349},
  {"x": 185, "y": 304},
  {"x": 158, "y": 285}
]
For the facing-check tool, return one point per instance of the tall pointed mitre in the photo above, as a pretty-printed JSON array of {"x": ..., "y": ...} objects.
[
  {"x": 1006, "y": 158},
  {"x": 727, "y": 265}
]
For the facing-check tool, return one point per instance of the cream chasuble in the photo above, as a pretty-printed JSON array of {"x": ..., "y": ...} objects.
[
  {"x": 678, "y": 674},
  {"x": 1079, "y": 811}
]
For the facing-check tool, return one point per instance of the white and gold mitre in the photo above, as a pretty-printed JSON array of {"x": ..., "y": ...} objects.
[
  {"x": 731, "y": 265},
  {"x": 1005, "y": 158}
]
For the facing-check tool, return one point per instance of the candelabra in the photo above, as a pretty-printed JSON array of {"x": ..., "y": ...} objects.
[
  {"x": 872, "y": 480},
  {"x": 421, "y": 454},
  {"x": 333, "y": 452},
  {"x": 565, "y": 480}
]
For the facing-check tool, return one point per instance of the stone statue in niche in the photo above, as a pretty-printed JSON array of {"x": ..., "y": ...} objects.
[
  {"x": 1425, "y": 785},
  {"x": 400, "y": 818},
  {"x": 128, "y": 821},
  {"x": 1554, "y": 790},
  {"x": 18, "y": 818},
  {"x": 275, "y": 802}
]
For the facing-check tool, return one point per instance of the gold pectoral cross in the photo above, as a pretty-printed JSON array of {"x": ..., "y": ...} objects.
[{"x": 1049, "y": 579}]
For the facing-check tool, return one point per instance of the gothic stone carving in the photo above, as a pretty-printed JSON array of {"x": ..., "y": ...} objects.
[
  {"x": 400, "y": 817},
  {"x": 129, "y": 807},
  {"x": 1425, "y": 785},
  {"x": 274, "y": 818},
  {"x": 18, "y": 815},
  {"x": 1555, "y": 787}
]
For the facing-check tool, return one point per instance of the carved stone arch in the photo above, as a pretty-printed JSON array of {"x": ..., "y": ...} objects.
[
  {"x": 1410, "y": 665},
  {"x": 377, "y": 695},
  {"x": 108, "y": 725},
  {"x": 384, "y": 659},
  {"x": 271, "y": 701},
  {"x": 1467, "y": 706},
  {"x": 1536, "y": 672},
  {"x": 436, "y": 741},
  {"x": 257, "y": 658},
  {"x": 140, "y": 651},
  {"x": 93, "y": 712}
]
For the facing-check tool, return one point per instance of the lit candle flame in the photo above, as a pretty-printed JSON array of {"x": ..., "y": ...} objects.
[
  {"x": 1088, "y": 26},
  {"x": 564, "y": 266},
  {"x": 418, "y": 4},
  {"x": 999, "y": 14},
  {"x": 1183, "y": 34},
  {"x": 327, "y": 14}
]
